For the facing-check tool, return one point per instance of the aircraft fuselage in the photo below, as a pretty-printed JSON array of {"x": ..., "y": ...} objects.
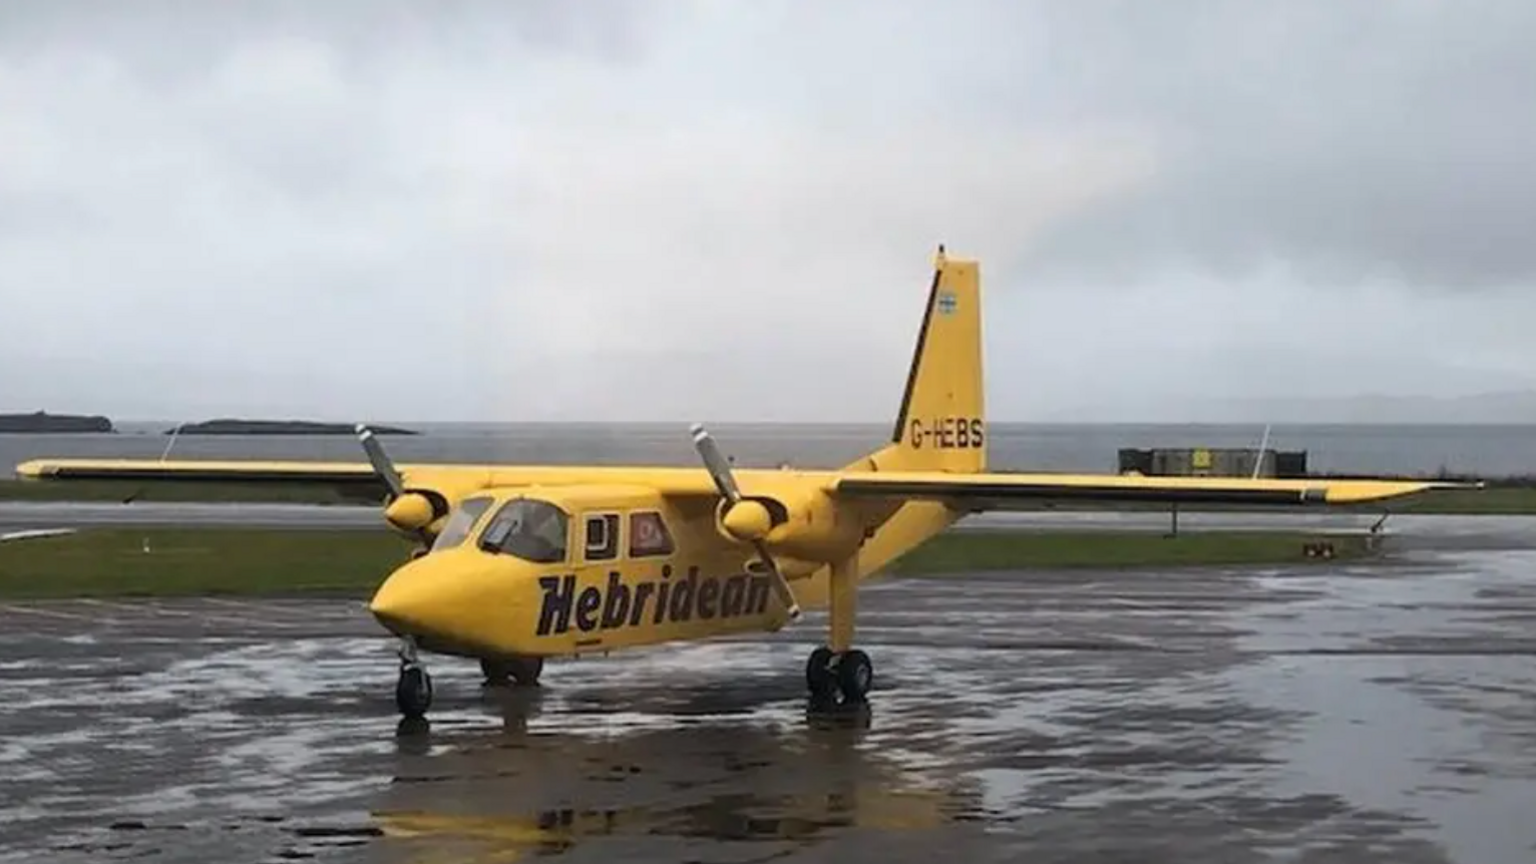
[{"x": 622, "y": 568}]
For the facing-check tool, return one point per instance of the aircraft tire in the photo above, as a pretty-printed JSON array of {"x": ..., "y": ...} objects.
[
  {"x": 526, "y": 670},
  {"x": 496, "y": 672},
  {"x": 413, "y": 692},
  {"x": 523, "y": 671},
  {"x": 819, "y": 677},
  {"x": 855, "y": 675}
]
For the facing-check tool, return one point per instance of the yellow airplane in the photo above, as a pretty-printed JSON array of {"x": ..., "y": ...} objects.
[{"x": 520, "y": 563}]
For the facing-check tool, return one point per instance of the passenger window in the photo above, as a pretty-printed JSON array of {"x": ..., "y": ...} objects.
[
  {"x": 648, "y": 535},
  {"x": 602, "y": 537}
]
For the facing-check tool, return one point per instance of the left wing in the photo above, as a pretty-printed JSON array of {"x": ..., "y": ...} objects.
[
  {"x": 996, "y": 491},
  {"x": 352, "y": 480},
  {"x": 446, "y": 477},
  {"x": 200, "y": 471}
]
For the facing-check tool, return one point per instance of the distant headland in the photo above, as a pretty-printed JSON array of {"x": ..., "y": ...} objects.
[
  {"x": 228, "y": 426},
  {"x": 43, "y": 423}
]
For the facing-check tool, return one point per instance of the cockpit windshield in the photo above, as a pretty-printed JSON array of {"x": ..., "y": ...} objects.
[
  {"x": 459, "y": 523},
  {"x": 530, "y": 529}
]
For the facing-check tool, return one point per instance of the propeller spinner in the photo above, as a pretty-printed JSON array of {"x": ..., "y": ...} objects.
[{"x": 747, "y": 521}]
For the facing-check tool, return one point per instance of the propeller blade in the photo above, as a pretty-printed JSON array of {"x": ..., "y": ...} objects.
[
  {"x": 719, "y": 468},
  {"x": 380, "y": 461},
  {"x": 780, "y": 584}
]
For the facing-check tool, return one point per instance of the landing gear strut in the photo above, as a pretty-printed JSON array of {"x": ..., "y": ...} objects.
[
  {"x": 413, "y": 692},
  {"x": 839, "y": 669}
]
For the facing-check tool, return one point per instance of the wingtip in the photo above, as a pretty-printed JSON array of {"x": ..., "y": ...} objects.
[{"x": 1464, "y": 485}]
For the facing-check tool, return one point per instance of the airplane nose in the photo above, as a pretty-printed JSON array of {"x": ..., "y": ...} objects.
[
  {"x": 447, "y": 602},
  {"x": 411, "y": 601}
]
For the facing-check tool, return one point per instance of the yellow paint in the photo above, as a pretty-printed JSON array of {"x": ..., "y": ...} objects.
[
  {"x": 805, "y": 820},
  {"x": 463, "y": 599}
]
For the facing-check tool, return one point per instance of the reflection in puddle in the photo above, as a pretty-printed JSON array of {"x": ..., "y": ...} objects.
[
  {"x": 501, "y": 794},
  {"x": 729, "y": 817}
]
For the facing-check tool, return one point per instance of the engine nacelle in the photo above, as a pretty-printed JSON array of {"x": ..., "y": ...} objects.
[{"x": 807, "y": 526}]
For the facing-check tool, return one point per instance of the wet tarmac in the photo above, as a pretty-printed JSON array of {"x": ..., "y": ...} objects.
[{"x": 1375, "y": 712}]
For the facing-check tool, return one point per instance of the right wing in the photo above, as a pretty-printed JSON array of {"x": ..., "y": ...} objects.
[{"x": 997, "y": 491}]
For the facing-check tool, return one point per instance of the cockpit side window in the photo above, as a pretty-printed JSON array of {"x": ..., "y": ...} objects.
[
  {"x": 460, "y": 521},
  {"x": 529, "y": 529}
]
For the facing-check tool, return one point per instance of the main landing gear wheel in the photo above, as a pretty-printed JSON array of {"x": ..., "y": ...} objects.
[
  {"x": 522, "y": 671},
  {"x": 849, "y": 675},
  {"x": 413, "y": 692}
]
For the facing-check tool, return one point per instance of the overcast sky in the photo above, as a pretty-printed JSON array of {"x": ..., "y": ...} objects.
[{"x": 727, "y": 211}]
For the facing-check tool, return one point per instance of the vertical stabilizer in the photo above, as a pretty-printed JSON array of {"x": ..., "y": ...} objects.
[{"x": 941, "y": 424}]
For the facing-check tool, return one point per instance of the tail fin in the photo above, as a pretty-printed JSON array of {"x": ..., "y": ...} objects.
[{"x": 942, "y": 422}]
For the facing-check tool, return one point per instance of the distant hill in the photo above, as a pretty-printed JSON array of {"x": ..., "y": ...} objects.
[
  {"x": 227, "y": 426},
  {"x": 41, "y": 422}
]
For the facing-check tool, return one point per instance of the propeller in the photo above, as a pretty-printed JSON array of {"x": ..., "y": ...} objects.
[
  {"x": 408, "y": 512},
  {"x": 747, "y": 521}
]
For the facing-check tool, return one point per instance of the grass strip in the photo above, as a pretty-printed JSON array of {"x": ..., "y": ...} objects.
[{"x": 286, "y": 562}]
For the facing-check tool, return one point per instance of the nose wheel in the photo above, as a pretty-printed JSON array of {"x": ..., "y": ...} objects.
[{"x": 413, "y": 691}]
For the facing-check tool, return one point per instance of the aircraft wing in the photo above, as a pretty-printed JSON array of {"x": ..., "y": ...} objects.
[
  {"x": 997, "y": 491},
  {"x": 347, "y": 474}
]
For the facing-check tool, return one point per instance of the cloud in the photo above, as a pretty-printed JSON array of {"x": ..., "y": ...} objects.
[
  {"x": 653, "y": 211},
  {"x": 1353, "y": 143}
]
